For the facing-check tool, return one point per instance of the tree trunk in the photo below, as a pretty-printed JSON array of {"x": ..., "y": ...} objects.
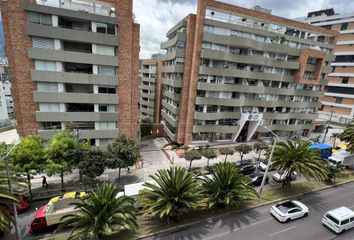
[
  {"x": 259, "y": 155},
  {"x": 208, "y": 162},
  {"x": 241, "y": 155},
  {"x": 29, "y": 183},
  {"x": 119, "y": 172},
  {"x": 225, "y": 158},
  {"x": 190, "y": 166},
  {"x": 62, "y": 180},
  {"x": 80, "y": 175}
]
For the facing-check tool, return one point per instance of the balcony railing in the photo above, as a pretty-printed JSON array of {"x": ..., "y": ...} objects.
[{"x": 80, "y": 5}]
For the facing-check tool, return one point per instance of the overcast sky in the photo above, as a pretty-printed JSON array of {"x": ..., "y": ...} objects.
[{"x": 156, "y": 17}]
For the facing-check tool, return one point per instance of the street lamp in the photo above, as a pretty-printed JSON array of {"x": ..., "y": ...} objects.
[
  {"x": 17, "y": 229},
  {"x": 327, "y": 127},
  {"x": 269, "y": 160}
]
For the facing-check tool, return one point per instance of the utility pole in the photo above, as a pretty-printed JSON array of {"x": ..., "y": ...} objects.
[
  {"x": 327, "y": 127},
  {"x": 17, "y": 228}
]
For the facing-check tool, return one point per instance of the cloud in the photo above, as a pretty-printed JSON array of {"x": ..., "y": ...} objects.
[{"x": 156, "y": 17}]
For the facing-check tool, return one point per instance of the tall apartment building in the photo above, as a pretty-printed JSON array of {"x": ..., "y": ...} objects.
[
  {"x": 229, "y": 70},
  {"x": 150, "y": 89},
  {"x": 339, "y": 93},
  {"x": 73, "y": 61}
]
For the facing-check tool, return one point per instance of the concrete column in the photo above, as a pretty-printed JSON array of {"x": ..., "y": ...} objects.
[{"x": 55, "y": 20}]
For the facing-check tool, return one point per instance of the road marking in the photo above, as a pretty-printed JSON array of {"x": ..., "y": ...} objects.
[
  {"x": 237, "y": 229},
  {"x": 281, "y": 231}
]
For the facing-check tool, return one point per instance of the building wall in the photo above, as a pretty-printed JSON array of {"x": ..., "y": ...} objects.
[{"x": 183, "y": 121}]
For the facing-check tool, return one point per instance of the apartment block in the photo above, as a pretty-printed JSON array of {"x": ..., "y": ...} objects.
[
  {"x": 339, "y": 93},
  {"x": 73, "y": 62},
  {"x": 150, "y": 89},
  {"x": 230, "y": 71}
]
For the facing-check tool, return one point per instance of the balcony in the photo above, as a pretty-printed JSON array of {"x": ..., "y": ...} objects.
[
  {"x": 87, "y": 134},
  {"x": 76, "y": 116},
  {"x": 81, "y": 6}
]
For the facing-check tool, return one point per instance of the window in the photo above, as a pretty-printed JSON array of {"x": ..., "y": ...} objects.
[
  {"x": 106, "y": 108},
  {"x": 49, "y": 107},
  {"x": 339, "y": 99},
  {"x": 344, "y": 26},
  {"x": 45, "y": 65},
  {"x": 107, "y": 125},
  {"x": 43, "y": 43},
  {"x": 331, "y": 218},
  {"x": 105, "y": 28},
  {"x": 108, "y": 90},
  {"x": 107, "y": 70},
  {"x": 105, "y": 50},
  {"x": 345, "y": 222},
  {"x": 47, "y": 87},
  {"x": 50, "y": 125},
  {"x": 345, "y": 80},
  {"x": 40, "y": 18}
]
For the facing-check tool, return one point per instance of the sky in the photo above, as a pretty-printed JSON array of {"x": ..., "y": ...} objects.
[{"x": 156, "y": 17}]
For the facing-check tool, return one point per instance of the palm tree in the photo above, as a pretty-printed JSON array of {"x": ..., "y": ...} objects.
[
  {"x": 176, "y": 191},
  {"x": 6, "y": 198},
  {"x": 348, "y": 136},
  {"x": 227, "y": 186},
  {"x": 101, "y": 214},
  {"x": 297, "y": 156}
]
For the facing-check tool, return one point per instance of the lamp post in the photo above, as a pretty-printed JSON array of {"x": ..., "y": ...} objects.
[
  {"x": 17, "y": 228},
  {"x": 270, "y": 159},
  {"x": 327, "y": 127}
]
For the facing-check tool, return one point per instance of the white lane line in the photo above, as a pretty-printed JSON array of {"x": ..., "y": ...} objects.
[
  {"x": 237, "y": 229},
  {"x": 281, "y": 231}
]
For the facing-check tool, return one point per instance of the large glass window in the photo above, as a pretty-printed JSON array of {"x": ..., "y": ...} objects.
[
  {"x": 109, "y": 90},
  {"x": 107, "y": 125},
  {"x": 40, "y": 18},
  {"x": 49, "y": 107},
  {"x": 50, "y": 125},
  {"x": 45, "y": 65},
  {"x": 38, "y": 42},
  {"x": 105, "y": 28},
  {"x": 47, "y": 87},
  {"x": 105, "y": 50},
  {"x": 107, "y": 70}
]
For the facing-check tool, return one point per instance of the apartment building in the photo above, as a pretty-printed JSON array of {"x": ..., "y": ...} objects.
[
  {"x": 73, "y": 61},
  {"x": 338, "y": 100},
  {"x": 229, "y": 71},
  {"x": 150, "y": 89}
]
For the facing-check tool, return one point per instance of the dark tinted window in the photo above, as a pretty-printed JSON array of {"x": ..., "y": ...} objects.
[
  {"x": 345, "y": 80},
  {"x": 344, "y": 26},
  {"x": 332, "y": 219},
  {"x": 345, "y": 221}
]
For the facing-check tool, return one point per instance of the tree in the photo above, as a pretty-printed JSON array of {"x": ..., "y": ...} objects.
[
  {"x": 192, "y": 155},
  {"x": 335, "y": 136},
  {"x": 226, "y": 152},
  {"x": 259, "y": 147},
  {"x": 176, "y": 191},
  {"x": 209, "y": 153},
  {"x": 6, "y": 198},
  {"x": 122, "y": 152},
  {"x": 29, "y": 155},
  {"x": 146, "y": 127},
  {"x": 61, "y": 154},
  {"x": 227, "y": 186},
  {"x": 297, "y": 156},
  {"x": 101, "y": 214},
  {"x": 93, "y": 163},
  {"x": 348, "y": 136},
  {"x": 243, "y": 149}
]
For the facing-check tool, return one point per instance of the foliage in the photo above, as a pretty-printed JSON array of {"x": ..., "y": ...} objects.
[
  {"x": 243, "y": 149},
  {"x": 348, "y": 136},
  {"x": 101, "y": 214},
  {"x": 193, "y": 155},
  {"x": 122, "y": 152},
  {"x": 226, "y": 152},
  {"x": 61, "y": 154},
  {"x": 29, "y": 155},
  {"x": 93, "y": 163},
  {"x": 209, "y": 153},
  {"x": 227, "y": 186},
  {"x": 19, "y": 187},
  {"x": 176, "y": 191},
  {"x": 259, "y": 147},
  {"x": 146, "y": 127},
  {"x": 297, "y": 156}
]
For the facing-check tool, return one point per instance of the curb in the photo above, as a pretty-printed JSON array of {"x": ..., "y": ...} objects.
[{"x": 187, "y": 225}]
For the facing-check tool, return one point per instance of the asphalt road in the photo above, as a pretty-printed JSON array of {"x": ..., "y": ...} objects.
[{"x": 258, "y": 224}]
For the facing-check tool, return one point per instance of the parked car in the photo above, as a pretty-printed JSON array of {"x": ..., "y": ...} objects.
[
  {"x": 279, "y": 176},
  {"x": 22, "y": 205},
  {"x": 246, "y": 168},
  {"x": 339, "y": 219},
  {"x": 263, "y": 165},
  {"x": 289, "y": 210},
  {"x": 256, "y": 179}
]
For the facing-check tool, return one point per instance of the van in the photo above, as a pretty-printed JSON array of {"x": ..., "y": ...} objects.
[{"x": 339, "y": 219}]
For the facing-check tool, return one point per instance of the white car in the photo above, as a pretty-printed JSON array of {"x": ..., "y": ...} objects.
[
  {"x": 339, "y": 219},
  {"x": 279, "y": 176},
  {"x": 289, "y": 210}
]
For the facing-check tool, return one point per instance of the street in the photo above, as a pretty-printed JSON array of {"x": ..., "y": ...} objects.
[{"x": 258, "y": 224}]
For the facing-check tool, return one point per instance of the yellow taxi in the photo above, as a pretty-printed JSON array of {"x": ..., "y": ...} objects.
[
  {"x": 339, "y": 146},
  {"x": 65, "y": 196}
]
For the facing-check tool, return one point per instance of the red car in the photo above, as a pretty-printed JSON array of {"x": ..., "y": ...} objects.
[
  {"x": 23, "y": 205},
  {"x": 39, "y": 223}
]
